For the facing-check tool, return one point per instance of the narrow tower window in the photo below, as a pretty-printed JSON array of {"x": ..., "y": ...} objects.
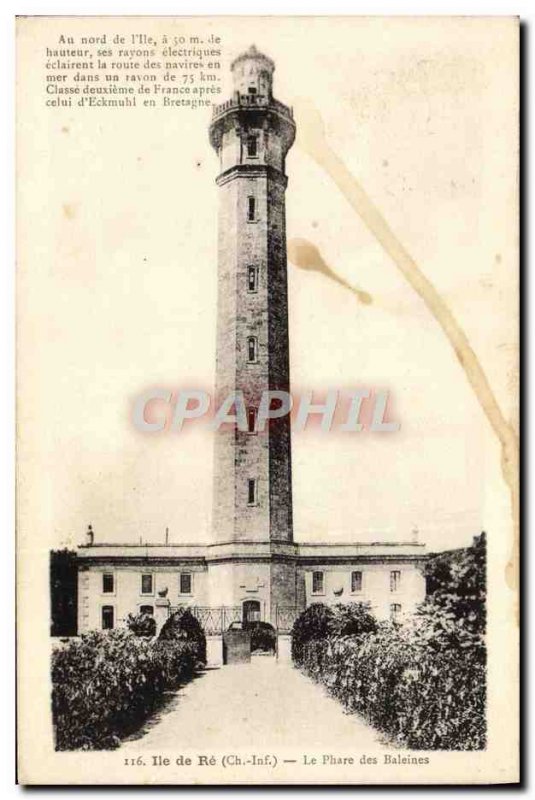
[
  {"x": 251, "y": 209},
  {"x": 395, "y": 612},
  {"x": 251, "y": 492},
  {"x": 252, "y": 349},
  {"x": 252, "y": 146},
  {"x": 252, "y": 278},
  {"x": 107, "y": 583},
  {"x": 251, "y": 420},
  {"x": 395, "y": 578}
]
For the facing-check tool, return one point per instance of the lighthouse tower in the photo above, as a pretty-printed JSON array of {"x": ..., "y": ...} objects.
[
  {"x": 252, "y": 569},
  {"x": 252, "y": 558}
]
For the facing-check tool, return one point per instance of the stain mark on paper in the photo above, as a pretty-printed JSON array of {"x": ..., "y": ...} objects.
[
  {"x": 305, "y": 255},
  {"x": 312, "y": 139},
  {"x": 69, "y": 210}
]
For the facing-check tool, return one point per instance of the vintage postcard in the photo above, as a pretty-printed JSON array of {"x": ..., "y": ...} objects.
[{"x": 267, "y": 346}]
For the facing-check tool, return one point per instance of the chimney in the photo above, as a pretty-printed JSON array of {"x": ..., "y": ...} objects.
[
  {"x": 414, "y": 535},
  {"x": 89, "y": 536},
  {"x": 167, "y": 535}
]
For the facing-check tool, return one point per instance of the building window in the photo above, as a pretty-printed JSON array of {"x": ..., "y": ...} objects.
[
  {"x": 107, "y": 583},
  {"x": 395, "y": 579},
  {"x": 395, "y": 612},
  {"x": 185, "y": 583},
  {"x": 107, "y": 618},
  {"x": 251, "y": 420},
  {"x": 356, "y": 581},
  {"x": 147, "y": 610},
  {"x": 146, "y": 584},
  {"x": 251, "y": 209},
  {"x": 252, "y": 279},
  {"x": 251, "y": 492},
  {"x": 252, "y": 146},
  {"x": 252, "y": 349},
  {"x": 318, "y": 582}
]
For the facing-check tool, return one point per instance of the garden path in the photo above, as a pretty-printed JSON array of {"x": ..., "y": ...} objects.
[{"x": 262, "y": 704}]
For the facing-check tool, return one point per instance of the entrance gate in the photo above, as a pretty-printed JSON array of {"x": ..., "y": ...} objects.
[{"x": 217, "y": 620}]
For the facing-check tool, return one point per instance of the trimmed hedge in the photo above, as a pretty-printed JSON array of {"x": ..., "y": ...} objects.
[
  {"x": 423, "y": 682},
  {"x": 104, "y": 685},
  {"x": 319, "y": 621},
  {"x": 420, "y": 698}
]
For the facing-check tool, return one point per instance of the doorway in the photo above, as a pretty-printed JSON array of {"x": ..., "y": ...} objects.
[{"x": 251, "y": 611}]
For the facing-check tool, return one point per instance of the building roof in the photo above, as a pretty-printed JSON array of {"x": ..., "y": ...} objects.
[
  {"x": 312, "y": 551},
  {"x": 146, "y": 550}
]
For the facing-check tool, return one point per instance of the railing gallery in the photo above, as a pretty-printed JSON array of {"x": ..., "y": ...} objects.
[
  {"x": 251, "y": 101},
  {"x": 216, "y": 620}
]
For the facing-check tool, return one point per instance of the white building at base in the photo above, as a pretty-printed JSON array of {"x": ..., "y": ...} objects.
[{"x": 117, "y": 580}]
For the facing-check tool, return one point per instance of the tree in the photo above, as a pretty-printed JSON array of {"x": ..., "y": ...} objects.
[
  {"x": 63, "y": 592},
  {"x": 263, "y": 636},
  {"x": 182, "y": 625},
  {"x": 454, "y": 614},
  {"x": 457, "y": 581}
]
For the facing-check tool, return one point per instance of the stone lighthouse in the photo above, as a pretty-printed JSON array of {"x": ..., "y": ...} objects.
[{"x": 252, "y": 557}]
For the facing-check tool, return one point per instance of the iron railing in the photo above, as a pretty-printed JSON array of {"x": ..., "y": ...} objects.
[
  {"x": 217, "y": 619},
  {"x": 285, "y": 617},
  {"x": 213, "y": 620}
]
